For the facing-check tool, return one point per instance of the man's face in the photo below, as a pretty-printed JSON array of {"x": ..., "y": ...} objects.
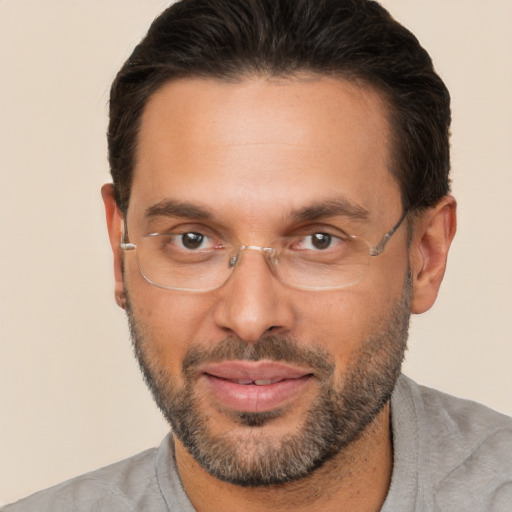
[{"x": 263, "y": 382}]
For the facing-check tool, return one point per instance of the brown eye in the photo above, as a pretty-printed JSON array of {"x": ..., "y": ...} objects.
[
  {"x": 192, "y": 240},
  {"x": 321, "y": 240},
  {"x": 317, "y": 242}
]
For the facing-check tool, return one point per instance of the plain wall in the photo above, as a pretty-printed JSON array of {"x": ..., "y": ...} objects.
[{"x": 71, "y": 397}]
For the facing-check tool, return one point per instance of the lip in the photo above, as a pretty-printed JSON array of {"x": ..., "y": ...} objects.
[{"x": 255, "y": 386}]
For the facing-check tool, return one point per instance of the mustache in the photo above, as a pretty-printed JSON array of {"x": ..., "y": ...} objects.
[{"x": 269, "y": 347}]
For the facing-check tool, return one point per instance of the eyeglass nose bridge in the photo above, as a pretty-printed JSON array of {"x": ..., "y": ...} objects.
[{"x": 268, "y": 252}]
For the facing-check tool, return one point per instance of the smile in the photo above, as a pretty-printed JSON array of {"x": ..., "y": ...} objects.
[
  {"x": 259, "y": 382},
  {"x": 248, "y": 386}
]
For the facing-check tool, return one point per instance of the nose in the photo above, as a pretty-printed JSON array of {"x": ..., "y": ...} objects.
[{"x": 253, "y": 301}]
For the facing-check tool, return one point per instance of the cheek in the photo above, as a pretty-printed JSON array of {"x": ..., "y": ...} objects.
[
  {"x": 338, "y": 320},
  {"x": 170, "y": 322},
  {"x": 341, "y": 321}
]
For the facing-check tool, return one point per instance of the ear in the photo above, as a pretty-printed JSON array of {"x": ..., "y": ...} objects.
[
  {"x": 433, "y": 233},
  {"x": 115, "y": 230}
]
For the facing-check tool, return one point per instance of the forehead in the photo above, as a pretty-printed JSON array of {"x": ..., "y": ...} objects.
[{"x": 257, "y": 143}]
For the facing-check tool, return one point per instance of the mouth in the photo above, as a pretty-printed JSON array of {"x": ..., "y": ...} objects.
[
  {"x": 248, "y": 382},
  {"x": 255, "y": 386}
]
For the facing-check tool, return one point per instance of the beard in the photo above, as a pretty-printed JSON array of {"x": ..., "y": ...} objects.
[{"x": 342, "y": 409}]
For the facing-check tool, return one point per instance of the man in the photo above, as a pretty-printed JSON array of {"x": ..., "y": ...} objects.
[{"x": 280, "y": 206}]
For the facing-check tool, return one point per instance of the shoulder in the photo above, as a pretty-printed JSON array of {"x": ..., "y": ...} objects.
[
  {"x": 463, "y": 429},
  {"x": 467, "y": 450},
  {"x": 116, "y": 488}
]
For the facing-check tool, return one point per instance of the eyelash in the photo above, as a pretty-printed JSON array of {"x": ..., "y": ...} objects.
[{"x": 302, "y": 232}]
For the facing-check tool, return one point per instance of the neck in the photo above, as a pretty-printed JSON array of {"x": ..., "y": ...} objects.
[{"x": 357, "y": 478}]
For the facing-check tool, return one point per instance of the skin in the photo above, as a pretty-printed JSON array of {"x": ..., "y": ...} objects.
[{"x": 252, "y": 153}]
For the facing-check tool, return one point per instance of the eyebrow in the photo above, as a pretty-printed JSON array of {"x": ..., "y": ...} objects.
[
  {"x": 315, "y": 211},
  {"x": 173, "y": 208},
  {"x": 331, "y": 208}
]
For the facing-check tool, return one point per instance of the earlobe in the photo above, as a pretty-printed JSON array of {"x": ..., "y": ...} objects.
[
  {"x": 433, "y": 233},
  {"x": 114, "y": 220}
]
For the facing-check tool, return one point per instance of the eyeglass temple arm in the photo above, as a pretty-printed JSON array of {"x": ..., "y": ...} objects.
[
  {"x": 126, "y": 246},
  {"x": 379, "y": 248}
]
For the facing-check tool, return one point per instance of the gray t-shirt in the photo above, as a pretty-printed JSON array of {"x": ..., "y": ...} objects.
[{"x": 450, "y": 455}]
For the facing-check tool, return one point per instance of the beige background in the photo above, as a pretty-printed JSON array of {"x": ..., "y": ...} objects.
[{"x": 71, "y": 398}]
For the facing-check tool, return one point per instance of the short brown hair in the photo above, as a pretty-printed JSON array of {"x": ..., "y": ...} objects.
[{"x": 352, "y": 39}]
